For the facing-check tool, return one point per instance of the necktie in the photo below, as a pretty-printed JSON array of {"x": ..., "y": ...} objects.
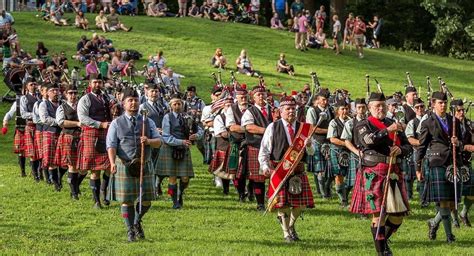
[
  {"x": 134, "y": 121},
  {"x": 291, "y": 131},
  {"x": 264, "y": 112}
]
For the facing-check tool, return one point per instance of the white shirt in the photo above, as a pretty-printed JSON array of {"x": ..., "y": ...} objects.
[
  {"x": 229, "y": 117},
  {"x": 247, "y": 117},
  {"x": 219, "y": 126}
]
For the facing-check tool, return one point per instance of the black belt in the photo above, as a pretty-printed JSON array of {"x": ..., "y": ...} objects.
[{"x": 381, "y": 159}]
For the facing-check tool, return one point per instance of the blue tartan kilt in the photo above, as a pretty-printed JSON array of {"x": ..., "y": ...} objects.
[
  {"x": 408, "y": 168},
  {"x": 125, "y": 188},
  {"x": 352, "y": 170},
  {"x": 440, "y": 188},
  {"x": 336, "y": 169},
  {"x": 169, "y": 167},
  {"x": 468, "y": 187},
  {"x": 317, "y": 162},
  {"x": 155, "y": 156}
]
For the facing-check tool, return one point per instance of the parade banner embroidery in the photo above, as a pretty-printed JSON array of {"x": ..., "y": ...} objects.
[{"x": 287, "y": 165}]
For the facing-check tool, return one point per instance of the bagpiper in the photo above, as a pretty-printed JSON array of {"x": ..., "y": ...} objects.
[
  {"x": 437, "y": 137},
  {"x": 124, "y": 137},
  {"x": 382, "y": 146},
  {"x": 296, "y": 194},
  {"x": 255, "y": 120},
  {"x": 194, "y": 106},
  {"x": 66, "y": 151},
  {"x": 175, "y": 154},
  {"x": 95, "y": 117},
  {"x": 19, "y": 136}
]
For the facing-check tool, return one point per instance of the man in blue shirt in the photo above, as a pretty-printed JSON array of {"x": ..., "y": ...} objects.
[
  {"x": 280, "y": 7},
  {"x": 124, "y": 142}
]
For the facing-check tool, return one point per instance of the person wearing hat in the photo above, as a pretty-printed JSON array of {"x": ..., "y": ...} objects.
[
  {"x": 301, "y": 108},
  {"x": 468, "y": 148},
  {"x": 412, "y": 136},
  {"x": 175, "y": 154},
  {"x": 124, "y": 141},
  {"x": 39, "y": 132},
  {"x": 194, "y": 107},
  {"x": 392, "y": 107},
  {"x": 276, "y": 140},
  {"x": 319, "y": 162},
  {"x": 51, "y": 131},
  {"x": 219, "y": 158},
  {"x": 349, "y": 135},
  {"x": 207, "y": 119},
  {"x": 94, "y": 115},
  {"x": 339, "y": 168},
  {"x": 383, "y": 144},
  {"x": 27, "y": 101},
  {"x": 409, "y": 107},
  {"x": 156, "y": 112},
  {"x": 66, "y": 150},
  {"x": 233, "y": 122},
  {"x": 255, "y": 120},
  {"x": 437, "y": 137}
]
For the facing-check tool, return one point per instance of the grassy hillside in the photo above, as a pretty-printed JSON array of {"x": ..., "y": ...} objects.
[{"x": 36, "y": 220}]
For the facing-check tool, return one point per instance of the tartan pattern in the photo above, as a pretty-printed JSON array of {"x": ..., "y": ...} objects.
[
  {"x": 253, "y": 166},
  {"x": 125, "y": 188},
  {"x": 30, "y": 145},
  {"x": 336, "y": 169},
  {"x": 19, "y": 142},
  {"x": 218, "y": 158},
  {"x": 408, "y": 168},
  {"x": 65, "y": 154},
  {"x": 360, "y": 204},
  {"x": 285, "y": 199},
  {"x": 174, "y": 168},
  {"x": 352, "y": 170},
  {"x": 88, "y": 158},
  {"x": 155, "y": 157},
  {"x": 319, "y": 162},
  {"x": 242, "y": 164},
  {"x": 440, "y": 188},
  {"x": 468, "y": 187},
  {"x": 50, "y": 141},
  {"x": 39, "y": 143}
]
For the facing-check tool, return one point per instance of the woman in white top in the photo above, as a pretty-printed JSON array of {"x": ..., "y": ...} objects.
[{"x": 244, "y": 65}]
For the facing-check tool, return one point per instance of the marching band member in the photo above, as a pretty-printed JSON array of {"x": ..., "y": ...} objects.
[
  {"x": 276, "y": 140},
  {"x": 124, "y": 138},
  {"x": 94, "y": 115},
  {"x": 409, "y": 107},
  {"x": 19, "y": 137},
  {"x": 255, "y": 120}
]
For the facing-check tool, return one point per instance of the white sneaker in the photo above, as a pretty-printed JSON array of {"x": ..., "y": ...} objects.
[{"x": 218, "y": 182}]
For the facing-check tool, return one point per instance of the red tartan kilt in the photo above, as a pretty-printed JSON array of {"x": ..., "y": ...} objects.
[
  {"x": 360, "y": 203},
  {"x": 88, "y": 157},
  {"x": 39, "y": 143},
  {"x": 218, "y": 158},
  {"x": 19, "y": 142},
  {"x": 304, "y": 199},
  {"x": 50, "y": 141},
  {"x": 65, "y": 154},
  {"x": 253, "y": 165},
  {"x": 30, "y": 149}
]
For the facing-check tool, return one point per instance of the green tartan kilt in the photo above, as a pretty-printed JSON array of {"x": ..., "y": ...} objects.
[
  {"x": 440, "y": 188},
  {"x": 352, "y": 170},
  {"x": 426, "y": 173},
  {"x": 125, "y": 188},
  {"x": 169, "y": 167},
  {"x": 318, "y": 162},
  {"x": 468, "y": 187},
  {"x": 155, "y": 156},
  {"x": 336, "y": 169},
  {"x": 408, "y": 168}
]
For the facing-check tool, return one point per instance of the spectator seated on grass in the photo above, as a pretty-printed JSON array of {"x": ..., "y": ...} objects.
[
  {"x": 106, "y": 5},
  {"x": 91, "y": 68},
  {"x": 194, "y": 11},
  {"x": 114, "y": 22},
  {"x": 125, "y": 7},
  {"x": 254, "y": 9},
  {"x": 152, "y": 9},
  {"x": 276, "y": 23},
  {"x": 81, "y": 49},
  {"x": 81, "y": 21},
  {"x": 204, "y": 10},
  {"x": 56, "y": 17},
  {"x": 105, "y": 45},
  {"x": 42, "y": 53},
  {"x": 223, "y": 13},
  {"x": 163, "y": 9},
  {"x": 11, "y": 62},
  {"x": 104, "y": 66},
  {"x": 218, "y": 60},
  {"x": 12, "y": 37},
  {"x": 283, "y": 67},
  {"x": 171, "y": 80},
  {"x": 6, "y": 20},
  {"x": 318, "y": 40},
  {"x": 101, "y": 22},
  {"x": 244, "y": 66}
]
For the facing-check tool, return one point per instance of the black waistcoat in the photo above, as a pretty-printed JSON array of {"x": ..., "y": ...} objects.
[
  {"x": 237, "y": 137},
  {"x": 259, "y": 120},
  {"x": 279, "y": 140},
  {"x": 409, "y": 113},
  {"x": 70, "y": 114},
  {"x": 99, "y": 110},
  {"x": 52, "y": 113}
]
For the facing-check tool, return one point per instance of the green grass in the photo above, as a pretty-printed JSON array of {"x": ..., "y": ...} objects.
[{"x": 36, "y": 220}]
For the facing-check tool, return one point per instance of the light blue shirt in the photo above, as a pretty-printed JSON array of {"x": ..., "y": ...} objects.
[{"x": 170, "y": 139}]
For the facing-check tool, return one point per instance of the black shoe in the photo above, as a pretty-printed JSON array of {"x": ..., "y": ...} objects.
[
  {"x": 131, "y": 235},
  {"x": 180, "y": 200},
  {"x": 242, "y": 198},
  {"x": 388, "y": 251},
  {"x": 294, "y": 235},
  {"x": 261, "y": 208},
  {"x": 139, "y": 231},
  {"x": 23, "y": 173},
  {"x": 74, "y": 196},
  {"x": 432, "y": 229},
  {"x": 251, "y": 197},
  {"x": 450, "y": 239},
  {"x": 57, "y": 187},
  {"x": 465, "y": 220},
  {"x": 288, "y": 239},
  {"x": 456, "y": 223},
  {"x": 176, "y": 206},
  {"x": 106, "y": 202}
]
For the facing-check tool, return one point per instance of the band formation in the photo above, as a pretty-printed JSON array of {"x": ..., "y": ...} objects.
[{"x": 374, "y": 152}]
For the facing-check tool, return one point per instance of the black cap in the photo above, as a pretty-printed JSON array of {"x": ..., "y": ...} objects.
[
  {"x": 340, "y": 103},
  {"x": 129, "y": 92},
  {"x": 191, "y": 88},
  {"x": 53, "y": 86},
  {"x": 70, "y": 87},
  {"x": 457, "y": 103},
  {"x": 30, "y": 80},
  {"x": 216, "y": 89},
  {"x": 410, "y": 89},
  {"x": 376, "y": 96},
  {"x": 418, "y": 101},
  {"x": 360, "y": 101},
  {"x": 324, "y": 93},
  {"x": 439, "y": 96}
]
